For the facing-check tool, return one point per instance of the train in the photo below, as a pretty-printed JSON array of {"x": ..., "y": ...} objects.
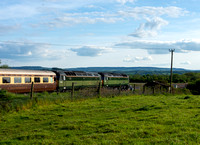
[{"x": 20, "y": 81}]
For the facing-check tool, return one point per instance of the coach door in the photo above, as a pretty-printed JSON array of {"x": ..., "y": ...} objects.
[{"x": 64, "y": 82}]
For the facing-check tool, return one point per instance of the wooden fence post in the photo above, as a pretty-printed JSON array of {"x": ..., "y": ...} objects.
[
  {"x": 120, "y": 88},
  {"x": 72, "y": 93},
  {"x": 153, "y": 89},
  {"x": 32, "y": 89},
  {"x": 99, "y": 90},
  {"x": 143, "y": 89}
]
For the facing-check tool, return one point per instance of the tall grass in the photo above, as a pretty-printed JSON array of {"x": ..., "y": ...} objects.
[
  {"x": 134, "y": 119},
  {"x": 16, "y": 102}
]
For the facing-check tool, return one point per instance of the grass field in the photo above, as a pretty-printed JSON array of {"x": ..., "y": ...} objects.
[{"x": 114, "y": 120}]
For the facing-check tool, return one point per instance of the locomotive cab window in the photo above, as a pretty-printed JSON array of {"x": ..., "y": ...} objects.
[
  {"x": 37, "y": 80},
  {"x": 6, "y": 80},
  {"x": 27, "y": 80},
  {"x": 45, "y": 80},
  {"x": 17, "y": 80}
]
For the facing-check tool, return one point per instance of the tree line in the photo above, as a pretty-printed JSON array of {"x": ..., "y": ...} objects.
[
  {"x": 4, "y": 65},
  {"x": 191, "y": 78},
  {"x": 177, "y": 78}
]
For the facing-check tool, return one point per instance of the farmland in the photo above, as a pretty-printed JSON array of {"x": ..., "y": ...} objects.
[{"x": 132, "y": 119}]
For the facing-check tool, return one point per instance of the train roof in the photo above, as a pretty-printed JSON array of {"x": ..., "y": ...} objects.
[
  {"x": 78, "y": 73},
  {"x": 25, "y": 72},
  {"x": 81, "y": 73},
  {"x": 113, "y": 74}
]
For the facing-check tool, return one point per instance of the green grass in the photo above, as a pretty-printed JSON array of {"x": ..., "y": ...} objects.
[{"x": 115, "y": 120}]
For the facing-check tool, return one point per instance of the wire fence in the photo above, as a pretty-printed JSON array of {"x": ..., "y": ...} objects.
[{"x": 16, "y": 102}]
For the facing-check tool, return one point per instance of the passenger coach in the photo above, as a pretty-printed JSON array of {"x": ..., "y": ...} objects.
[{"x": 19, "y": 81}]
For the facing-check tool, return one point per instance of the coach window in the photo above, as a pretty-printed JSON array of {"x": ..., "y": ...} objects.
[
  {"x": 6, "y": 79},
  {"x": 27, "y": 80},
  {"x": 17, "y": 80},
  {"x": 37, "y": 80},
  {"x": 51, "y": 79},
  {"x": 45, "y": 80}
]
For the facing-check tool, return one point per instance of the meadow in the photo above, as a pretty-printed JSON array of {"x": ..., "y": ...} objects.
[{"x": 123, "y": 119}]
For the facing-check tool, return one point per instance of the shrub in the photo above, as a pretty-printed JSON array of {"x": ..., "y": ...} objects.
[
  {"x": 5, "y": 100},
  {"x": 194, "y": 87}
]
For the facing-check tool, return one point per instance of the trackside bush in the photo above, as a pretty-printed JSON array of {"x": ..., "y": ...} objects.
[
  {"x": 5, "y": 100},
  {"x": 194, "y": 87}
]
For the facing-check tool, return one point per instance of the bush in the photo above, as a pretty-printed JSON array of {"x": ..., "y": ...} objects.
[
  {"x": 194, "y": 87},
  {"x": 5, "y": 101}
]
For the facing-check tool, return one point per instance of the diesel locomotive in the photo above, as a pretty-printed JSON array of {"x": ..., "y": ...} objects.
[{"x": 20, "y": 81}]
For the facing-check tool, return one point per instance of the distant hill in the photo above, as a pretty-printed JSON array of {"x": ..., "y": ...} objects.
[
  {"x": 31, "y": 68},
  {"x": 126, "y": 70}
]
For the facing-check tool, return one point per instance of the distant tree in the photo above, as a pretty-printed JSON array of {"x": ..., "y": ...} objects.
[
  {"x": 3, "y": 66},
  {"x": 164, "y": 78},
  {"x": 137, "y": 78},
  {"x": 191, "y": 76},
  {"x": 177, "y": 78},
  {"x": 56, "y": 68},
  {"x": 194, "y": 87}
]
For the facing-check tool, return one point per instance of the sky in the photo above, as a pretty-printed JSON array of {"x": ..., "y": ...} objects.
[{"x": 100, "y": 33}]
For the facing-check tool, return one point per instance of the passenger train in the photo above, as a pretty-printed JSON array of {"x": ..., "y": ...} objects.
[{"x": 20, "y": 81}]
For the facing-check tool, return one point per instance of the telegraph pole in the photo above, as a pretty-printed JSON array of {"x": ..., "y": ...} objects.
[{"x": 171, "y": 72}]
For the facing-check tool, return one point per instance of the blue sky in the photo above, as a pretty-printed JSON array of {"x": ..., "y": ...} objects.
[{"x": 100, "y": 33}]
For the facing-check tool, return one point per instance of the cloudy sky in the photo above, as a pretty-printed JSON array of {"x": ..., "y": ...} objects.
[{"x": 85, "y": 33}]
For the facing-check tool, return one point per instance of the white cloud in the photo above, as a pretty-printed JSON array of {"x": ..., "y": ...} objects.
[
  {"x": 128, "y": 59},
  {"x": 144, "y": 58},
  {"x": 30, "y": 51},
  {"x": 149, "y": 28},
  {"x": 61, "y": 18},
  {"x": 139, "y": 12},
  {"x": 137, "y": 59},
  {"x": 17, "y": 11},
  {"x": 162, "y": 47},
  {"x": 70, "y": 19},
  {"x": 52, "y": 0},
  {"x": 91, "y": 51},
  {"x": 186, "y": 63},
  {"x": 125, "y": 1},
  {"x": 8, "y": 28},
  {"x": 152, "y": 15},
  {"x": 148, "y": 11}
]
